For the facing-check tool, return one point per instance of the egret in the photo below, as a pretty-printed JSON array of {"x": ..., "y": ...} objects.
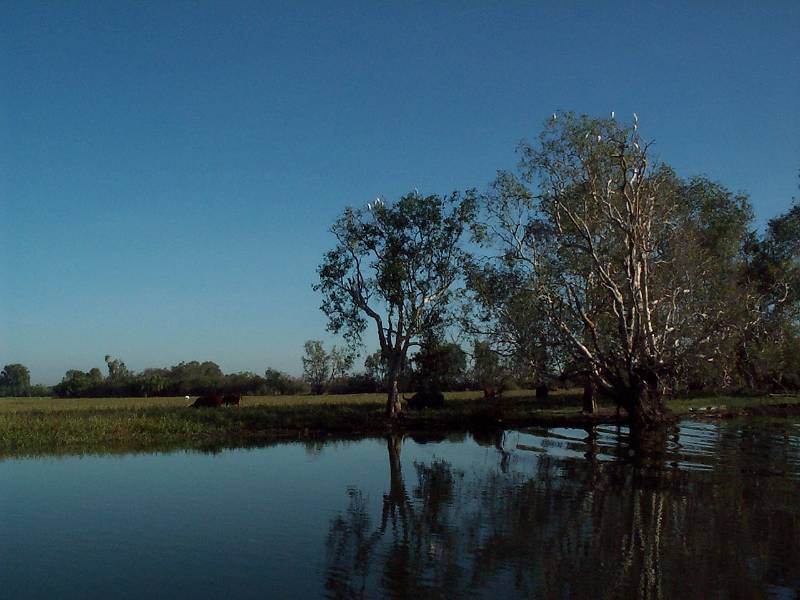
[
  {"x": 612, "y": 114},
  {"x": 635, "y": 118}
]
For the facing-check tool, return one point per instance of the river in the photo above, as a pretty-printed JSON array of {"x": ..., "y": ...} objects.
[{"x": 712, "y": 510}]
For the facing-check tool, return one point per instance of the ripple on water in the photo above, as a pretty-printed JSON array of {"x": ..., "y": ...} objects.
[{"x": 694, "y": 446}]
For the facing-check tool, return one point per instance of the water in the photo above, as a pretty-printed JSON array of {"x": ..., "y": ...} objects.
[{"x": 710, "y": 511}]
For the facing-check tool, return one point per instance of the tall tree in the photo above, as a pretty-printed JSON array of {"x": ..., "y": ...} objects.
[
  {"x": 341, "y": 361},
  {"x": 321, "y": 368},
  {"x": 439, "y": 366},
  {"x": 626, "y": 260},
  {"x": 501, "y": 312},
  {"x": 486, "y": 370},
  {"x": 15, "y": 380},
  {"x": 768, "y": 345},
  {"x": 375, "y": 367},
  {"x": 279, "y": 383},
  {"x": 117, "y": 370},
  {"x": 316, "y": 367},
  {"x": 394, "y": 265}
]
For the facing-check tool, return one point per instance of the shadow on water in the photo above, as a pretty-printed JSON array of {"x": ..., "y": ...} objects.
[{"x": 696, "y": 512}]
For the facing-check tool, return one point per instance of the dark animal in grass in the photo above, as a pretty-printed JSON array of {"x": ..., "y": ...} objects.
[
  {"x": 231, "y": 399},
  {"x": 541, "y": 392},
  {"x": 425, "y": 399},
  {"x": 208, "y": 401},
  {"x": 493, "y": 393}
]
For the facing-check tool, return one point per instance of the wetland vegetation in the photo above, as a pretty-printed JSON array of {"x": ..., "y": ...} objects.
[{"x": 40, "y": 426}]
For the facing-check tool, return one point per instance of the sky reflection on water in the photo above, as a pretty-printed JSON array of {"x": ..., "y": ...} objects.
[{"x": 709, "y": 510}]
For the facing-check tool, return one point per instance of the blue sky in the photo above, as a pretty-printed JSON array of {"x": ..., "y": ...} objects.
[{"x": 168, "y": 170}]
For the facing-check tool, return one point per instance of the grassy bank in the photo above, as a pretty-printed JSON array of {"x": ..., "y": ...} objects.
[{"x": 34, "y": 426}]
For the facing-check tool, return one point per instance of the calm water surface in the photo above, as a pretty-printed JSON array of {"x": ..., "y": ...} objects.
[{"x": 710, "y": 511}]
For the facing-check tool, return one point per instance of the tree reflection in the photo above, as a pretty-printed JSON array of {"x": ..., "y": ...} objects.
[{"x": 648, "y": 527}]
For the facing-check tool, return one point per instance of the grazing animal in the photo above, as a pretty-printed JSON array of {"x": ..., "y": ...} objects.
[
  {"x": 231, "y": 399},
  {"x": 208, "y": 401},
  {"x": 425, "y": 399},
  {"x": 493, "y": 393}
]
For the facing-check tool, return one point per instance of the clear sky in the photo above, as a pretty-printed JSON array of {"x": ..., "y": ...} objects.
[{"x": 168, "y": 170}]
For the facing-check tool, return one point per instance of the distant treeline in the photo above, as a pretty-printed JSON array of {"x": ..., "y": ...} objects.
[
  {"x": 191, "y": 378},
  {"x": 184, "y": 379},
  {"x": 438, "y": 365}
]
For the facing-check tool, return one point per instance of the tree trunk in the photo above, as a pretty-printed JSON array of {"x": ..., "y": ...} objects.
[
  {"x": 589, "y": 400},
  {"x": 393, "y": 401},
  {"x": 397, "y": 489},
  {"x": 645, "y": 404}
]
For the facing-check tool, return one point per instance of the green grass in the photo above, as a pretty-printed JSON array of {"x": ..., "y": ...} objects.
[
  {"x": 70, "y": 404},
  {"x": 35, "y": 426}
]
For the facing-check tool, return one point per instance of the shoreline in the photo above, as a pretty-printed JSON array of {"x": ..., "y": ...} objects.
[{"x": 57, "y": 427}]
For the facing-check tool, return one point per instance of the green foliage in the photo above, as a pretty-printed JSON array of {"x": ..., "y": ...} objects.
[
  {"x": 186, "y": 378},
  {"x": 439, "y": 366},
  {"x": 375, "y": 365},
  {"x": 604, "y": 258},
  {"x": 15, "y": 380},
  {"x": 117, "y": 371},
  {"x": 281, "y": 384},
  {"x": 321, "y": 368},
  {"x": 486, "y": 369},
  {"x": 394, "y": 266},
  {"x": 767, "y": 349},
  {"x": 402, "y": 256},
  {"x": 315, "y": 366}
]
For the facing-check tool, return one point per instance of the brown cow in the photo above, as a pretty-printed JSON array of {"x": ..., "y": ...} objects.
[
  {"x": 231, "y": 399},
  {"x": 207, "y": 401}
]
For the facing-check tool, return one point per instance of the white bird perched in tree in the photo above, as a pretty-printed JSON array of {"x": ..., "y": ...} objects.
[
  {"x": 635, "y": 118},
  {"x": 555, "y": 117},
  {"x": 599, "y": 138},
  {"x": 369, "y": 206},
  {"x": 612, "y": 114}
]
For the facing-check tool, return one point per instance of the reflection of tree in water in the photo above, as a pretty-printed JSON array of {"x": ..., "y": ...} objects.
[
  {"x": 411, "y": 546},
  {"x": 580, "y": 528}
]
